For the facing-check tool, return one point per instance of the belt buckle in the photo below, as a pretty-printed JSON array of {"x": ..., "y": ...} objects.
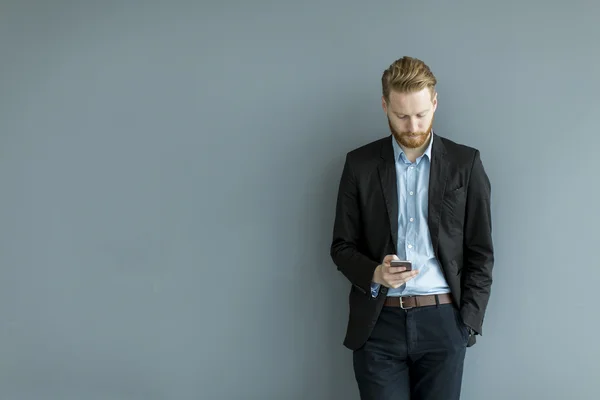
[{"x": 402, "y": 304}]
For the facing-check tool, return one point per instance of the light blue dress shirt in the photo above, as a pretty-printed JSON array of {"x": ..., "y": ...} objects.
[{"x": 414, "y": 240}]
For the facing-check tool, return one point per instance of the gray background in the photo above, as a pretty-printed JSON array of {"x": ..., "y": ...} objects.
[{"x": 169, "y": 172}]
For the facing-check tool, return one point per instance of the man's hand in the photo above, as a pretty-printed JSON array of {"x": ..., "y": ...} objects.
[{"x": 392, "y": 277}]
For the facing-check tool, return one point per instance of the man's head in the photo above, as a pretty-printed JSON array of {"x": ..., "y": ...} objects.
[{"x": 409, "y": 101}]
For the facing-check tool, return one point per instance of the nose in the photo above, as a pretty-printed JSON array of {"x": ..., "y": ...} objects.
[{"x": 413, "y": 126}]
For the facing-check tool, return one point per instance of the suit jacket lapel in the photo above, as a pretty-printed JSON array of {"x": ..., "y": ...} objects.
[
  {"x": 387, "y": 175},
  {"x": 437, "y": 185}
]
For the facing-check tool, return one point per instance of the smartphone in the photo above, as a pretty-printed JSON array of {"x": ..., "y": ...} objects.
[{"x": 400, "y": 263}]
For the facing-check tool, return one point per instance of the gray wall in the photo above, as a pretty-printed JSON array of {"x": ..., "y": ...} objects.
[{"x": 169, "y": 173}]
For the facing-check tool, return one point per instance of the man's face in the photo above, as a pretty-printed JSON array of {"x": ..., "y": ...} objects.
[{"x": 410, "y": 116}]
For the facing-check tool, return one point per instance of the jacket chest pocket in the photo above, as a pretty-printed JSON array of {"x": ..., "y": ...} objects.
[{"x": 453, "y": 210}]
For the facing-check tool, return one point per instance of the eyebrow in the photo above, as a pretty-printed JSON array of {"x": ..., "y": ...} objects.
[{"x": 422, "y": 112}]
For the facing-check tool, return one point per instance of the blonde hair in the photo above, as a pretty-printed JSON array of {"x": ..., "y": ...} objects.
[{"x": 407, "y": 75}]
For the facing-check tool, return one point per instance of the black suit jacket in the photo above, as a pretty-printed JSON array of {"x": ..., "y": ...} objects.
[{"x": 366, "y": 228}]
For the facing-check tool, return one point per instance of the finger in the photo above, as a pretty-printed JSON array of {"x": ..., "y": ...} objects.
[
  {"x": 399, "y": 272},
  {"x": 402, "y": 278},
  {"x": 387, "y": 259},
  {"x": 395, "y": 270}
]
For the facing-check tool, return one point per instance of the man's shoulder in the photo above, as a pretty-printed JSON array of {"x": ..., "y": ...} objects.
[
  {"x": 372, "y": 151},
  {"x": 455, "y": 147},
  {"x": 369, "y": 151},
  {"x": 458, "y": 152}
]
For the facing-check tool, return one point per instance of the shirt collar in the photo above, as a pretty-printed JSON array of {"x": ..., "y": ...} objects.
[{"x": 398, "y": 152}]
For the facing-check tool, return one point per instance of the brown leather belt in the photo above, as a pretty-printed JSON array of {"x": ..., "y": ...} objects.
[{"x": 418, "y": 301}]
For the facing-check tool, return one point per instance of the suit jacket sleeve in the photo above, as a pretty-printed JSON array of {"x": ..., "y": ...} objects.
[
  {"x": 478, "y": 248},
  {"x": 346, "y": 244}
]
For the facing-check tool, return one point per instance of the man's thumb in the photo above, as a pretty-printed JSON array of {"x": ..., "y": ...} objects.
[{"x": 390, "y": 257}]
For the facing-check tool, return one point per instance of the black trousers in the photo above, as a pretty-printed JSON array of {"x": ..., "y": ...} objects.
[{"x": 415, "y": 354}]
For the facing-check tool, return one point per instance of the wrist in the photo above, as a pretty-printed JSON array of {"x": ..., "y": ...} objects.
[{"x": 376, "y": 274}]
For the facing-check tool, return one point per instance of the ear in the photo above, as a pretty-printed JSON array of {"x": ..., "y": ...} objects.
[
  {"x": 383, "y": 104},
  {"x": 434, "y": 101}
]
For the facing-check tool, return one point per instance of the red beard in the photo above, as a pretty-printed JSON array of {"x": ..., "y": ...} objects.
[{"x": 411, "y": 140}]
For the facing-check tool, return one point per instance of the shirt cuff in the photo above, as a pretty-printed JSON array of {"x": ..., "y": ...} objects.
[{"x": 375, "y": 289}]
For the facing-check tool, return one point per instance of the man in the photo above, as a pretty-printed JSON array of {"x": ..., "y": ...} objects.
[{"x": 418, "y": 197}]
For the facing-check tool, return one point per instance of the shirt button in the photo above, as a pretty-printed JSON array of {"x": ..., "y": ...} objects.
[
  {"x": 411, "y": 193},
  {"x": 410, "y": 246},
  {"x": 412, "y": 219}
]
